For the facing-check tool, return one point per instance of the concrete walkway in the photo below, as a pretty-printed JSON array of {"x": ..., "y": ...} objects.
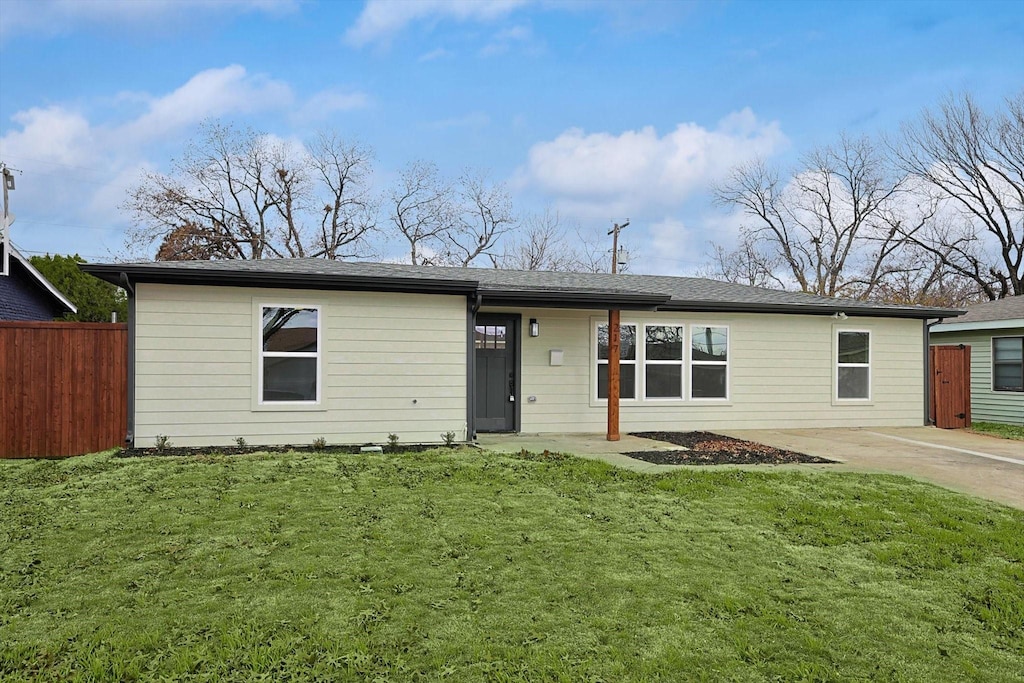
[{"x": 980, "y": 465}]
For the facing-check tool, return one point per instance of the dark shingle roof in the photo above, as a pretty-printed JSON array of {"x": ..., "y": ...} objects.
[
  {"x": 505, "y": 287},
  {"x": 1010, "y": 308}
]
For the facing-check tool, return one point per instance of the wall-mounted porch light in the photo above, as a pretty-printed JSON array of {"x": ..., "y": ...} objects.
[{"x": 534, "y": 327}]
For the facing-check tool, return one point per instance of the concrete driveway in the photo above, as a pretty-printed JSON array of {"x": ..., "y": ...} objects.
[{"x": 980, "y": 465}]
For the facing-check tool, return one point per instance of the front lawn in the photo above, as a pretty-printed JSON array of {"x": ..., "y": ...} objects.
[{"x": 467, "y": 567}]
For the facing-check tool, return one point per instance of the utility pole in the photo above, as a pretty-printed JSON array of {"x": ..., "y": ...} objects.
[
  {"x": 6, "y": 219},
  {"x": 614, "y": 346}
]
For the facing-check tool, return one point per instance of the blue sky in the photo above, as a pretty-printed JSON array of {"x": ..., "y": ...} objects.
[{"x": 601, "y": 110}]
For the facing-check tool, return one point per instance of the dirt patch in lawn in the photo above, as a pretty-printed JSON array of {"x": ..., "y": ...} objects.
[{"x": 705, "y": 448}]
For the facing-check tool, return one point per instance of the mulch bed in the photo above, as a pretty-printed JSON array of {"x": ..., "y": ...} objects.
[
  {"x": 714, "y": 449},
  {"x": 244, "y": 450}
]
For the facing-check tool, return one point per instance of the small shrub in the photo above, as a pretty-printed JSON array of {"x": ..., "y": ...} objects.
[
  {"x": 241, "y": 442},
  {"x": 449, "y": 439},
  {"x": 393, "y": 441},
  {"x": 162, "y": 441},
  {"x": 319, "y": 444}
]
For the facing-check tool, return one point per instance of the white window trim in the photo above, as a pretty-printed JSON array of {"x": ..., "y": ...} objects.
[
  {"x": 636, "y": 362},
  {"x": 869, "y": 365},
  {"x": 681, "y": 363},
  {"x": 691, "y": 363},
  {"x": 259, "y": 402},
  {"x": 992, "y": 361}
]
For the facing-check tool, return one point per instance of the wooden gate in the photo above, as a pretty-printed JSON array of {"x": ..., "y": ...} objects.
[
  {"x": 63, "y": 388},
  {"x": 950, "y": 403}
]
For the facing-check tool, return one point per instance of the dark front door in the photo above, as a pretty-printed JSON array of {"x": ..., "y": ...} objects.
[{"x": 494, "y": 341}]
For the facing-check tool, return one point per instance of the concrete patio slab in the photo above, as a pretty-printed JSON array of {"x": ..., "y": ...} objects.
[{"x": 591, "y": 446}]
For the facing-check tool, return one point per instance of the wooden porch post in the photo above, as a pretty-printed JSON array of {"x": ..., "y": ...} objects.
[{"x": 613, "y": 375}]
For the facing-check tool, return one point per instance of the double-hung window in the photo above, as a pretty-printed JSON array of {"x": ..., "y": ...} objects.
[
  {"x": 627, "y": 361},
  {"x": 290, "y": 354},
  {"x": 709, "y": 361},
  {"x": 663, "y": 361},
  {"x": 853, "y": 364},
  {"x": 1008, "y": 363}
]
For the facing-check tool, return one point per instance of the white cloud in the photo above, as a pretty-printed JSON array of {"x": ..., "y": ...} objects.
[
  {"x": 210, "y": 93},
  {"x": 504, "y": 39},
  {"x": 382, "y": 19},
  {"x": 638, "y": 170},
  {"x": 436, "y": 53},
  {"x": 51, "y": 17},
  {"x": 76, "y": 168},
  {"x": 326, "y": 102}
]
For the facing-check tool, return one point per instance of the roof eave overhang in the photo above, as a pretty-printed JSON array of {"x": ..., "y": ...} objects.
[
  {"x": 111, "y": 272},
  {"x": 579, "y": 300},
  {"x": 814, "y": 309}
]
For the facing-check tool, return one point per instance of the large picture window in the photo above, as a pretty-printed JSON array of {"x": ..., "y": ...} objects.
[
  {"x": 1008, "y": 364},
  {"x": 663, "y": 361},
  {"x": 709, "y": 361},
  {"x": 627, "y": 361},
  {"x": 290, "y": 355},
  {"x": 853, "y": 364}
]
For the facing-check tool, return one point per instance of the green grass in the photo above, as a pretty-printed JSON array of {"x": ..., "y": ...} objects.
[
  {"x": 472, "y": 567},
  {"x": 1000, "y": 430}
]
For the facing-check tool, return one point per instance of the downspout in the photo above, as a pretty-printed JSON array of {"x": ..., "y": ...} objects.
[
  {"x": 129, "y": 439},
  {"x": 473, "y": 304},
  {"x": 928, "y": 368}
]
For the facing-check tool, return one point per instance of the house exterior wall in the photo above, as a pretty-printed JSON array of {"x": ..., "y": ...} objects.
[
  {"x": 391, "y": 363},
  {"x": 1006, "y": 407},
  {"x": 781, "y": 374},
  {"x": 22, "y": 299}
]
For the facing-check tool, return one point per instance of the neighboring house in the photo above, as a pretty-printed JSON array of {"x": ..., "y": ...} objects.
[
  {"x": 286, "y": 351},
  {"x": 26, "y": 295},
  {"x": 995, "y": 332}
]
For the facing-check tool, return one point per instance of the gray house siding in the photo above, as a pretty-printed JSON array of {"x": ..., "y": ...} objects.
[{"x": 1006, "y": 407}]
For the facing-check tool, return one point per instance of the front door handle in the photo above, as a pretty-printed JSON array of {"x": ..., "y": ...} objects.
[{"x": 512, "y": 387}]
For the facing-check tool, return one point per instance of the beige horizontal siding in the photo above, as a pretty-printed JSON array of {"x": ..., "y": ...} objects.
[
  {"x": 781, "y": 375},
  {"x": 195, "y": 367},
  {"x": 1006, "y": 407}
]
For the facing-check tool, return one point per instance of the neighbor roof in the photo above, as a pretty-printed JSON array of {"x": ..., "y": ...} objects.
[
  {"x": 62, "y": 302},
  {"x": 503, "y": 287},
  {"x": 990, "y": 315}
]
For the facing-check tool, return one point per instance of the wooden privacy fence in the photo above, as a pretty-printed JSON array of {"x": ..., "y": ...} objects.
[{"x": 63, "y": 388}]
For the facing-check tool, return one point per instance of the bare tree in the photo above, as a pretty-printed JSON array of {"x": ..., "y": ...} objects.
[
  {"x": 974, "y": 161},
  {"x": 242, "y": 195},
  {"x": 486, "y": 216},
  {"x": 424, "y": 211},
  {"x": 829, "y": 228},
  {"x": 747, "y": 264},
  {"x": 449, "y": 223}
]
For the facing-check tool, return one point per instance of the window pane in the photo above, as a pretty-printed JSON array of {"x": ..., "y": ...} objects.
[
  {"x": 289, "y": 329},
  {"x": 853, "y": 347},
  {"x": 289, "y": 379},
  {"x": 664, "y": 381},
  {"x": 708, "y": 381},
  {"x": 1008, "y": 377},
  {"x": 710, "y": 343},
  {"x": 1008, "y": 349},
  {"x": 627, "y": 381},
  {"x": 627, "y": 342},
  {"x": 664, "y": 343},
  {"x": 853, "y": 382}
]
